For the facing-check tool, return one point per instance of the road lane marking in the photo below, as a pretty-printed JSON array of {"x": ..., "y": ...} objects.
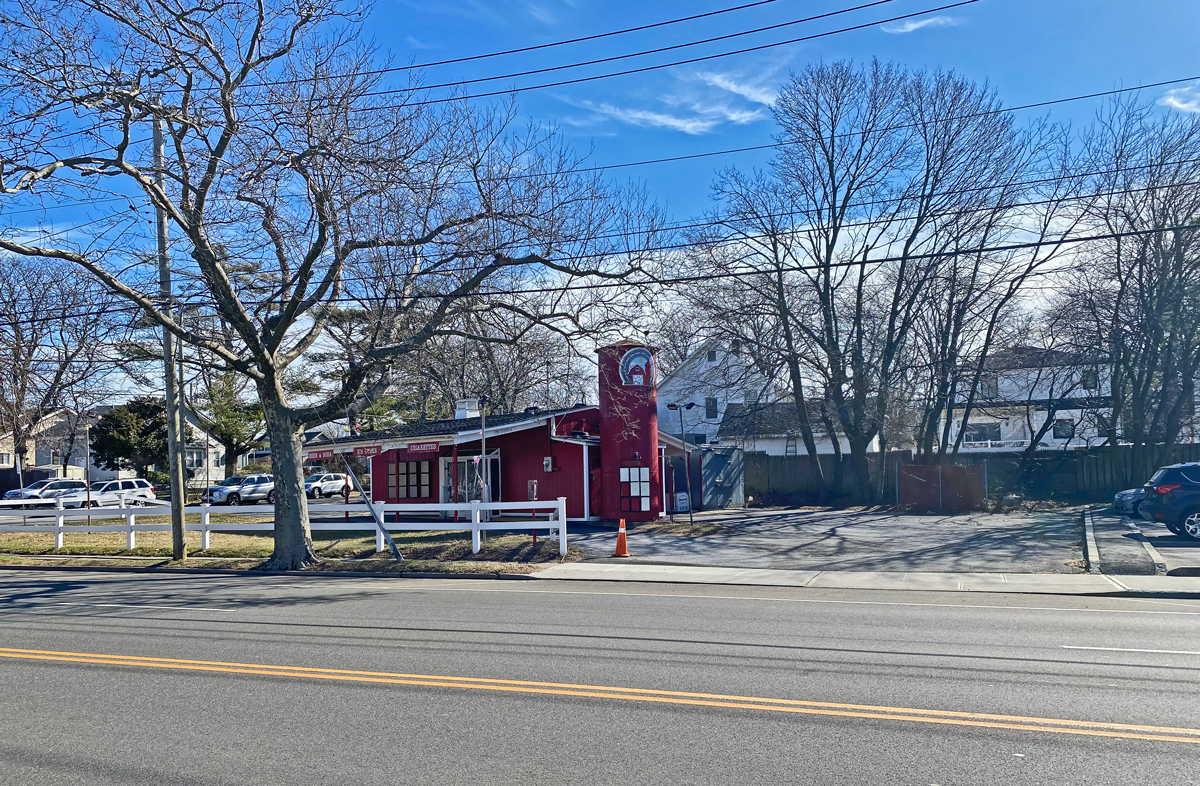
[
  {"x": 867, "y": 711},
  {"x": 1128, "y": 649}
]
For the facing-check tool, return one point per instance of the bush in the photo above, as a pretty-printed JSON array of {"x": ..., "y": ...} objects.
[{"x": 158, "y": 478}]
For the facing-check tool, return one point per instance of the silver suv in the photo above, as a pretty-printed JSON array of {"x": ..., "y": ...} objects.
[
  {"x": 46, "y": 489},
  {"x": 326, "y": 484},
  {"x": 104, "y": 493},
  {"x": 241, "y": 488}
]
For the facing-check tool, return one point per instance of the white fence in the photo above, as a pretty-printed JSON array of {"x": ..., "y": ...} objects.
[{"x": 478, "y": 517}]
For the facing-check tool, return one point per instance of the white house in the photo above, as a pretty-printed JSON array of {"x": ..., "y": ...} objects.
[
  {"x": 1026, "y": 393},
  {"x": 711, "y": 379}
]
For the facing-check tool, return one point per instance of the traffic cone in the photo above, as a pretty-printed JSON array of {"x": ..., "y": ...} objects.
[{"x": 622, "y": 546}]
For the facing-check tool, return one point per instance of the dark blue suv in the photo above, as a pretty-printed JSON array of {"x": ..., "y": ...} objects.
[{"x": 1173, "y": 498}]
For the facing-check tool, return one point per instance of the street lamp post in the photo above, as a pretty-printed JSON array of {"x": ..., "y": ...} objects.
[{"x": 687, "y": 467}]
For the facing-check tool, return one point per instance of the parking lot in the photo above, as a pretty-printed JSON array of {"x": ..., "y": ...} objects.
[
  {"x": 1180, "y": 554},
  {"x": 865, "y": 541}
]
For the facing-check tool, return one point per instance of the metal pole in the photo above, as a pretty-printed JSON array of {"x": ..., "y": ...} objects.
[
  {"x": 87, "y": 465},
  {"x": 174, "y": 428},
  {"x": 687, "y": 470}
]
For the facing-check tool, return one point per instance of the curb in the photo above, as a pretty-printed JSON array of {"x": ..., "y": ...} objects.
[
  {"x": 317, "y": 575},
  {"x": 1091, "y": 552},
  {"x": 157, "y": 571}
]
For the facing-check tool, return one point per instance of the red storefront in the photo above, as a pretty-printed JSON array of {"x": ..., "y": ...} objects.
[{"x": 607, "y": 460}]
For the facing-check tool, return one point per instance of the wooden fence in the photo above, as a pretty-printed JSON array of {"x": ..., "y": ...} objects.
[{"x": 1079, "y": 475}]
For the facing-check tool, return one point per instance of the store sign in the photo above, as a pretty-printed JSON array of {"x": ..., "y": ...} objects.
[
  {"x": 637, "y": 367},
  {"x": 317, "y": 455},
  {"x": 423, "y": 447},
  {"x": 369, "y": 450}
]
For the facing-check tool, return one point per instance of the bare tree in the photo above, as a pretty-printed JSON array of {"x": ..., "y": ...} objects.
[
  {"x": 300, "y": 191},
  {"x": 1135, "y": 299},
  {"x": 887, "y": 185},
  {"x": 57, "y": 329}
]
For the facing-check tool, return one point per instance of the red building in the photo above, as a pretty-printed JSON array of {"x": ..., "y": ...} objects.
[{"x": 609, "y": 461}]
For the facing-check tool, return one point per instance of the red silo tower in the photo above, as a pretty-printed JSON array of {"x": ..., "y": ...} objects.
[{"x": 631, "y": 479}]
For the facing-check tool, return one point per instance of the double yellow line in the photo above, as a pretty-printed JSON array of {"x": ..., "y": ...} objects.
[{"x": 906, "y": 714}]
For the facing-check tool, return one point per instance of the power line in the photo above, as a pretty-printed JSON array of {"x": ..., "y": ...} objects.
[
  {"x": 626, "y": 56},
  {"x": 697, "y": 278},
  {"x": 536, "y": 47},
  {"x": 772, "y": 145},
  {"x": 644, "y": 69}
]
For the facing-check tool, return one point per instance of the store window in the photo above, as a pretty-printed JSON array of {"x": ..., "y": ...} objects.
[
  {"x": 635, "y": 489},
  {"x": 408, "y": 480}
]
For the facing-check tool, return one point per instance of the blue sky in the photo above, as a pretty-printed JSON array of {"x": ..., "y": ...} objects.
[{"x": 1029, "y": 51}]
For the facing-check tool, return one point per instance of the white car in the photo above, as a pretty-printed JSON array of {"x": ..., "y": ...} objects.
[
  {"x": 241, "y": 488},
  {"x": 46, "y": 489},
  {"x": 110, "y": 493},
  {"x": 328, "y": 484}
]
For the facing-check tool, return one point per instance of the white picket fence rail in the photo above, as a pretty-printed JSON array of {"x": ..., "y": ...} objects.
[{"x": 479, "y": 518}]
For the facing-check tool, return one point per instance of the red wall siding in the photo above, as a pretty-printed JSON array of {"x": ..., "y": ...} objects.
[{"x": 521, "y": 455}]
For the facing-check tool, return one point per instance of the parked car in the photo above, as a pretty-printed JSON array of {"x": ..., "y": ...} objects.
[
  {"x": 1129, "y": 501},
  {"x": 1173, "y": 498},
  {"x": 46, "y": 489},
  {"x": 241, "y": 488},
  {"x": 328, "y": 484},
  {"x": 110, "y": 493}
]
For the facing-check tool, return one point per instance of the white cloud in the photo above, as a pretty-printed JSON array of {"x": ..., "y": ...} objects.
[
  {"x": 909, "y": 25},
  {"x": 413, "y": 43},
  {"x": 1185, "y": 99},
  {"x": 648, "y": 119},
  {"x": 543, "y": 15},
  {"x": 734, "y": 84}
]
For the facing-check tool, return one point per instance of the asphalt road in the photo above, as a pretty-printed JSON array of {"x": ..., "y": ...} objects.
[
  {"x": 871, "y": 683},
  {"x": 851, "y": 540}
]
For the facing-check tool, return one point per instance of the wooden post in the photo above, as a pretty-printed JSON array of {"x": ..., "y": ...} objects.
[
  {"x": 205, "y": 535},
  {"x": 475, "y": 526},
  {"x": 130, "y": 520},
  {"x": 58, "y": 524},
  {"x": 562, "y": 526}
]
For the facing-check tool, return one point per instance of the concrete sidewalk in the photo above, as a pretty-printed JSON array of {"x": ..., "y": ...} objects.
[{"x": 1051, "y": 583}]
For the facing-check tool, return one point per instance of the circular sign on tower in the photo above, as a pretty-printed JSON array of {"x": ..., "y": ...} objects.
[{"x": 637, "y": 367}]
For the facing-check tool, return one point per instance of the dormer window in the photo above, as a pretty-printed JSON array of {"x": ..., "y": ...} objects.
[
  {"x": 1089, "y": 380},
  {"x": 712, "y": 356}
]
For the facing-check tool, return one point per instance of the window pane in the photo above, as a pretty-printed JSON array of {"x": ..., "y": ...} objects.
[
  {"x": 624, "y": 473},
  {"x": 645, "y": 473},
  {"x": 645, "y": 503}
]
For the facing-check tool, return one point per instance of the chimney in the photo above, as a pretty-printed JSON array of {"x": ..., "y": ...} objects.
[{"x": 466, "y": 408}]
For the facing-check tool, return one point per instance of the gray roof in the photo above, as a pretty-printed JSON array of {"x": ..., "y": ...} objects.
[
  {"x": 439, "y": 428},
  {"x": 761, "y": 420}
]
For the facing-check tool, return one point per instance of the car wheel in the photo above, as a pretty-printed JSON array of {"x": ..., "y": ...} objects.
[
  {"x": 1175, "y": 529},
  {"x": 316, "y": 492},
  {"x": 1136, "y": 511},
  {"x": 270, "y": 497},
  {"x": 1190, "y": 524},
  {"x": 233, "y": 500}
]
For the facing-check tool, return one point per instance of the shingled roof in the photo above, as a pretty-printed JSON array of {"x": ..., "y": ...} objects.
[
  {"x": 743, "y": 421},
  {"x": 439, "y": 428}
]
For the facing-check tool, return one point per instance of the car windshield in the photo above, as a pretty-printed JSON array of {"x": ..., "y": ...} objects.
[
  {"x": 315, "y": 478},
  {"x": 236, "y": 480},
  {"x": 41, "y": 484}
]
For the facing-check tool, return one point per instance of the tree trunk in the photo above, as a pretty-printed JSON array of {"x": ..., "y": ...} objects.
[
  {"x": 862, "y": 469},
  {"x": 231, "y": 458},
  {"x": 293, "y": 538}
]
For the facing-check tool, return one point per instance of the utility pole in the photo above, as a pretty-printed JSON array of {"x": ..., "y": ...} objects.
[{"x": 174, "y": 414}]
